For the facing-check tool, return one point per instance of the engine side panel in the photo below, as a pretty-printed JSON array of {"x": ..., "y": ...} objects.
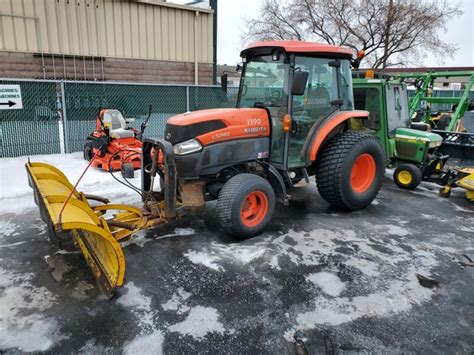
[{"x": 215, "y": 157}]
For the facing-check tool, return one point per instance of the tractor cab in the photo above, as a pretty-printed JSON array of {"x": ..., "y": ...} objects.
[{"x": 299, "y": 84}]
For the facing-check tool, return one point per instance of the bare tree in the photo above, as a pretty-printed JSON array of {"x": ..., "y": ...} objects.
[{"x": 390, "y": 32}]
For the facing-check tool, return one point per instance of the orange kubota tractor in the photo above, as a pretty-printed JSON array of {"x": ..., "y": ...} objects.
[{"x": 294, "y": 119}]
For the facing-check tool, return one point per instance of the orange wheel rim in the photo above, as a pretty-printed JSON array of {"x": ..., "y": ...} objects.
[
  {"x": 363, "y": 173},
  {"x": 254, "y": 209}
]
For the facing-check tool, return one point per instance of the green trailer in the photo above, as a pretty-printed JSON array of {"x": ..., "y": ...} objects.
[{"x": 410, "y": 148}]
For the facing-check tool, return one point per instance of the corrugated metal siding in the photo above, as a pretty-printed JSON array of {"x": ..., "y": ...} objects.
[{"x": 107, "y": 28}]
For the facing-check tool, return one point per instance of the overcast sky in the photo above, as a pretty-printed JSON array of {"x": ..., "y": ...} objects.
[{"x": 231, "y": 23}]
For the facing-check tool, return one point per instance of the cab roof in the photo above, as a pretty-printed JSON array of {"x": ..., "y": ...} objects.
[{"x": 266, "y": 47}]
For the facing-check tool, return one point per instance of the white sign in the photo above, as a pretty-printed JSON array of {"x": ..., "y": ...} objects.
[{"x": 10, "y": 97}]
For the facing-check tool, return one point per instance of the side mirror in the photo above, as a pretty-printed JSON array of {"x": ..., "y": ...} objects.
[
  {"x": 224, "y": 82},
  {"x": 298, "y": 85}
]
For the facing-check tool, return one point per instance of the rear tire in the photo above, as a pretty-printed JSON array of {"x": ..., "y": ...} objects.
[
  {"x": 350, "y": 170},
  {"x": 407, "y": 176},
  {"x": 245, "y": 205}
]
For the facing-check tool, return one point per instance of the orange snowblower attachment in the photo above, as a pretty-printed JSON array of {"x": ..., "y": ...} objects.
[{"x": 68, "y": 214}]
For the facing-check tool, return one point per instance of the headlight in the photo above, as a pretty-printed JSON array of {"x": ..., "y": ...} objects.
[
  {"x": 188, "y": 147},
  {"x": 435, "y": 144}
]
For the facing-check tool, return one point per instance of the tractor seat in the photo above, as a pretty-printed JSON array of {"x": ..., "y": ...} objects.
[
  {"x": 319, "y": 97},
  {"x": 117, "y": 125},
  {"x": 318, "y": 102}
]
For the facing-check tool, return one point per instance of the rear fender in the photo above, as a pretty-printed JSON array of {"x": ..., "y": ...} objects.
[
  {"x": 277, "y": 182},
  {"x": 319, "y": 134}
]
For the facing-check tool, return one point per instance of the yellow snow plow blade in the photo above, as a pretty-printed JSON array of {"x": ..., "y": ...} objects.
[{"x": 96, "y": 236}]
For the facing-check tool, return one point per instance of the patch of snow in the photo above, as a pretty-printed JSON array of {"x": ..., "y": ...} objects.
[
  {"x": 175, "y": 303},
  {"x": 140, "y": 239},
  {"x": 22, "y": 322},
  {"x": 88, "y": 348},
  {"x": 18, "y": 197},
  {"x": 327, "y": 282},
  {"x": 204, "y": 258},
  {"x": 184, "y": 231},
  {"x": 390, "y": 229},
  {"x": 178, "y": 232},
  {"x": 465, "y": 229},
  {"x": 145, "y": 344},
  {"x": 66, "y": 252},
  {"x": 375, "y": 202},
  {"x": 139, "y": 304},
  {"x": 367, "y": 267},
  {"x": 399, "y": 297},
  {"x": 11, "y": 244},
  {"x": 8, "y": 229},
  {"x": 137, "y": 239},
  {"x": 242, "y": 253},
  {"x": 58, "y": 266},
  {"x": 462, "y": 209},
  {"x": 397, "y": 230},
  {"x": 199, "y": 322}
]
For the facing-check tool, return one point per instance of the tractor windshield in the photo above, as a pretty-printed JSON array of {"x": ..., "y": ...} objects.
[{"x": 265, "y": 81}]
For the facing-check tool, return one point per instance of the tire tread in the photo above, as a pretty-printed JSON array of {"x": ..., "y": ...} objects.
[{"x": 328, "y": 177}]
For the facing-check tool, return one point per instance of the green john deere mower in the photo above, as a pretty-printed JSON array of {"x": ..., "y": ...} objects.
[{"x": 410, "y": 148}]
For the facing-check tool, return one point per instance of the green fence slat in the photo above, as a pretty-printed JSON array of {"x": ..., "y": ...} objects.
[{"x": 33, "y": 129}]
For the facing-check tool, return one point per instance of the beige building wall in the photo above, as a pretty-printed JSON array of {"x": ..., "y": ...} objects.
[{"x": 138, "y": 29}]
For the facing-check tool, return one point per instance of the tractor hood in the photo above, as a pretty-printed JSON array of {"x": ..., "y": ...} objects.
[
  {"x": 214, "y": 125},
  {"x": 408, "y": 134}
]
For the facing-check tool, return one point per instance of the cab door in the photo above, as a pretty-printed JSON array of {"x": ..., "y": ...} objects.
[
  {"x": 311, "y": 107},
  {"x": 397, "y": 107}
]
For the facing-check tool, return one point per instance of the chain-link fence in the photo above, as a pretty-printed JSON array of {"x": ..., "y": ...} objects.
[
  {"x": 34, "y": 129},
  {"x": 57, "y": 116}
]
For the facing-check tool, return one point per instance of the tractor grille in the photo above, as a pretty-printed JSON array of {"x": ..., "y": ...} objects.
[
  {"x": 187, "y": 166},
  {"x": 405, "y": 149}
]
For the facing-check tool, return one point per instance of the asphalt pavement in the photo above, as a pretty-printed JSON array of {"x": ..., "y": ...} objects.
[{"x": 317, "y": 281}]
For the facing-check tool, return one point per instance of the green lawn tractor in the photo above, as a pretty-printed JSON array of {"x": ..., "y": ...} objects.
[{"x": 410, "y": 148}]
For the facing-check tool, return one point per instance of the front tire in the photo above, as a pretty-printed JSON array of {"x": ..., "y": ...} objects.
[
  {"x": 88, "y": 153},
  {"x": 350, "y": 170},
  {"x": 407, "y": 176},
  {"x": 245, "y": 205}
]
